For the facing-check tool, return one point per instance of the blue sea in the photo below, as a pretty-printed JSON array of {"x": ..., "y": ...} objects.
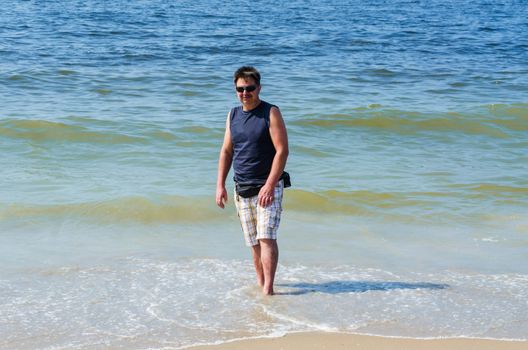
[{"x": 408, "y": 130}]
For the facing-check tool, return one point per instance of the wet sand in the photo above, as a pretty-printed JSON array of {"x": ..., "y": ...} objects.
[{"x": 331, "y": 341}]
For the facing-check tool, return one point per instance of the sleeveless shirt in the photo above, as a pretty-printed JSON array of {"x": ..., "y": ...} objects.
[{"x": 253, "y": 150}]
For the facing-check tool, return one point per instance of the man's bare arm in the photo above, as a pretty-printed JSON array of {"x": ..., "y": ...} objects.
[
  {"x": 224, "y": 164},
  {"x": 279, "y": 137}
]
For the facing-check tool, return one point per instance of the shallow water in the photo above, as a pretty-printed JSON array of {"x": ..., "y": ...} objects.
[{"x": 408, "y": 129}]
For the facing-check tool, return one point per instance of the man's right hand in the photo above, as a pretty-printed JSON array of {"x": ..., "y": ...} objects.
[{"x": 221, "y": 197}]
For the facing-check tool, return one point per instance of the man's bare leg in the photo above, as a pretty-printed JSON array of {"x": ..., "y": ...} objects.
[
  {"x": 269, "y": 256},
  {"x": 258, "y": 265}
]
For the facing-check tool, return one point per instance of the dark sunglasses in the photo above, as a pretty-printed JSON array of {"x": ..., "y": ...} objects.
[{"x": 246, "y": 88}]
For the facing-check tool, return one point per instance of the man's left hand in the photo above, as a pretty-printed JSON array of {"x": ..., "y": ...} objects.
[{"x": 266, "y": 195}]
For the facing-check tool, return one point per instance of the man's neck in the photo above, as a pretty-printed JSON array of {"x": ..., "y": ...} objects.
[{"x": 250, "y": 107}]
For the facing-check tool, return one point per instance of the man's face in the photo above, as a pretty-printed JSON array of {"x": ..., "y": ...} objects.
[{"x": 247, "y": 91}]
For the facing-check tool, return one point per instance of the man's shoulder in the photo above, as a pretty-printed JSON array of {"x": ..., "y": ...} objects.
[
  {"x": 269, "y": 109},
  {"x": 234, "y": 110}
]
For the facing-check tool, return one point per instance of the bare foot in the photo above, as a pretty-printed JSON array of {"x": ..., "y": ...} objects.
[{"x": 267, "y": 291}]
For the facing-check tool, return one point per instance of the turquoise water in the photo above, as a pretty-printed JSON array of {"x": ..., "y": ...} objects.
[{"x": 408, "y": 129}]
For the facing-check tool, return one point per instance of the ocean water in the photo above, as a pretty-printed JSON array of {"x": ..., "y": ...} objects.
[{"x": 408, "y": 130}]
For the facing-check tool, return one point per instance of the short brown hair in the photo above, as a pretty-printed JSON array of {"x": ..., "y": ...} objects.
[{"x": 246, "y": 72}]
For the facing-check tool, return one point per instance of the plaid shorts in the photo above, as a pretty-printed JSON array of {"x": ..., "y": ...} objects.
[{"x": 259, "y": 222}]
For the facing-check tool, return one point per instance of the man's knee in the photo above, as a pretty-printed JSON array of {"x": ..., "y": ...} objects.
[
  {"x": 268, "y": 242},
  {"x": 269, "y": 247}
]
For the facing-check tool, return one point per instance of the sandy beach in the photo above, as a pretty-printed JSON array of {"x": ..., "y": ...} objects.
[{"x": 331, "y": 341}]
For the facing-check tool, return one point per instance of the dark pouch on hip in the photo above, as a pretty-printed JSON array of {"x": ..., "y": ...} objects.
[{"x": 286, "y": 178}]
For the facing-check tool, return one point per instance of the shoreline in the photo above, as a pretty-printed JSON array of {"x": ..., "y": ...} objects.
[{"x": 338, "y": 341}]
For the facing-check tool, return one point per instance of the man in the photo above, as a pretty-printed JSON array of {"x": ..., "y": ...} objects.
[{"x": 256, "y": 143}]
